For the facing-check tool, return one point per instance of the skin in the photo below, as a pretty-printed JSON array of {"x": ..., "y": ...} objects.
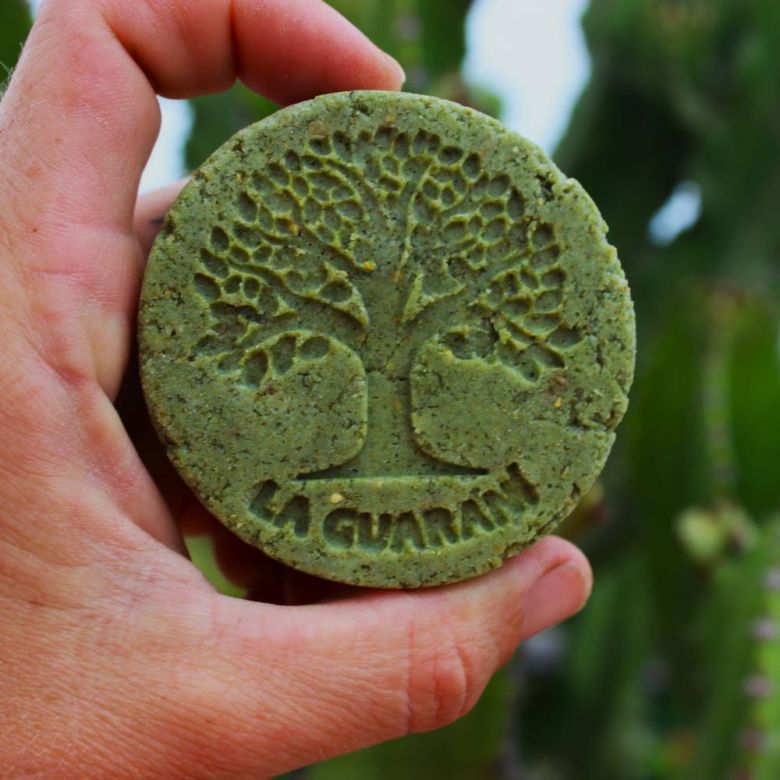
[{"x": 117, "y": 658}]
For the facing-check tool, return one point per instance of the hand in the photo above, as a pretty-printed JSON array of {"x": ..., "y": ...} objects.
[{"x": 117, "y": 658}]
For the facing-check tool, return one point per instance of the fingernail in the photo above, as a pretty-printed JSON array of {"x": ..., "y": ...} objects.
[
  {"x": 559, "y": 594},
  {"x": 399, "y": 70}
]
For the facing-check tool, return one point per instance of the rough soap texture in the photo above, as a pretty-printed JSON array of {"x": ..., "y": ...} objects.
[{"x": 385, "y": 339}]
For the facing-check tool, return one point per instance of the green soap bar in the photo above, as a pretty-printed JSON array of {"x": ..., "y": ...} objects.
[{"x": 384, "y": 339}]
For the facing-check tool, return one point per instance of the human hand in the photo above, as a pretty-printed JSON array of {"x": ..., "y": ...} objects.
[{"x": 117, "y": 658}]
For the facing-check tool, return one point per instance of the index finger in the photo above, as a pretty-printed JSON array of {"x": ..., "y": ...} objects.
[{"x": 79, "y": 118}]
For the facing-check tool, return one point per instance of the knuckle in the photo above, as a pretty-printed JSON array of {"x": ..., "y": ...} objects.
[{"x": 447, "y": 675}]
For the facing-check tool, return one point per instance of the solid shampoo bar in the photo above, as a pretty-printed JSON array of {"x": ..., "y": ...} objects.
[{"x": 384, "y": 339}]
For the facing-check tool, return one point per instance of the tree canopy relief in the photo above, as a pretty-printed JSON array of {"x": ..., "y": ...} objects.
[{"x": 392, "y": 305}]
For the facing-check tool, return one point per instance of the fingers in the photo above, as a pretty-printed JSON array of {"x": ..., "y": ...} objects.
[
  {"x": 556, "y": 596},
  {"x": 218, "y": 687},
  {"x": 81, "y": 103},
  {"x": 339, "y": 676},
  {"x": 311, "y": 28},
  {"x": 78, "y": 121},
  {"x": 150, "y": 210}
]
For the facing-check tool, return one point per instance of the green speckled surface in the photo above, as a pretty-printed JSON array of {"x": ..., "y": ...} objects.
[{"x": 385, "y": 340}]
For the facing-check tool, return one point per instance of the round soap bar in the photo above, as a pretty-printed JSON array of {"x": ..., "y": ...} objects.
[{"x": 385, "y": 340}]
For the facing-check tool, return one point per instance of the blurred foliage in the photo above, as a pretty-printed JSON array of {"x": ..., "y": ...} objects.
[
  {"x": 673, "y": 669},
  {"x": 665, "y": 675},
  {"x": 14, "y": 24},
  {"x": 201, "y": 552}
]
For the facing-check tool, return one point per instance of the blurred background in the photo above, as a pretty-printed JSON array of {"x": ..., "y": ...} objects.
[{"x": 668, "y": 111}]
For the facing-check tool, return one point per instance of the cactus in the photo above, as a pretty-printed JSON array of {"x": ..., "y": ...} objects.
[
  {"x": 740, "y": 731},
  {"x": 760, "y": 738}
]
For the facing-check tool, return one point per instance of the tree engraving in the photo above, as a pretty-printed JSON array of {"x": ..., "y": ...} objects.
[{"x": 386, "y": 256}]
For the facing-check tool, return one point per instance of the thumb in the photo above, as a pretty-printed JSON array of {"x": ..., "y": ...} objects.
[{"x": 297, "y": 685}]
